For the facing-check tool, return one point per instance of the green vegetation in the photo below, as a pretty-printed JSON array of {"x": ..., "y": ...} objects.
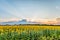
[{"x": 28, "y": 33}]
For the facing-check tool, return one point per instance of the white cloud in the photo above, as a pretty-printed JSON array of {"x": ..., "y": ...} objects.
[{"x": 10, "y": 19}]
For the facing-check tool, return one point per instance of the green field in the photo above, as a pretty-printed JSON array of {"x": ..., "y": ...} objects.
[{"x": 29, "y": 32}]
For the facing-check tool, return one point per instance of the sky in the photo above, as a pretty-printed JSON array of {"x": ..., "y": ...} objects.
[{"x": 35, "y": 9}]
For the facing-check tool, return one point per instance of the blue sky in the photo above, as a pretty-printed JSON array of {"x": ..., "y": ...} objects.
[{"x": 29, "y": 9}]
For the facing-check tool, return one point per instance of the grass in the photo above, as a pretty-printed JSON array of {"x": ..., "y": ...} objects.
[{"x": 28, "y": 32}]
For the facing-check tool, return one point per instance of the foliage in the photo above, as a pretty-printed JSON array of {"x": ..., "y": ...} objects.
[{"x": 18, "y": 32}]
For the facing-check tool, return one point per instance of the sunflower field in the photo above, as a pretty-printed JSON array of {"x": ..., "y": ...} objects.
[{"x": 28, "y": 32}]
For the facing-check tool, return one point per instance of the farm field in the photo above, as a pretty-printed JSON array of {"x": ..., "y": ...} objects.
[{"x": 29, "y": 32}]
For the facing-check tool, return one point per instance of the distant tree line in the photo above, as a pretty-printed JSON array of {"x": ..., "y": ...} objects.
[{"x": 31, "y": 25}]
